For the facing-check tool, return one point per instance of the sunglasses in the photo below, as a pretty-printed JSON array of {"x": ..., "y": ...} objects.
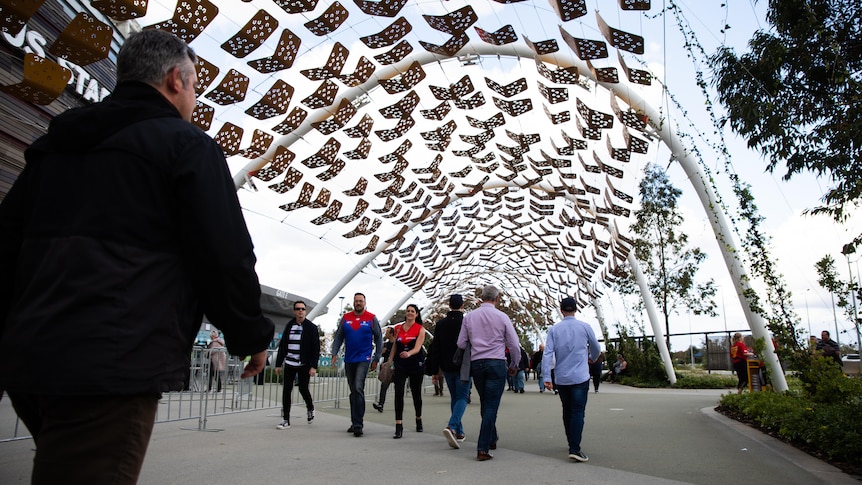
[{"x": 299, "y": 309}]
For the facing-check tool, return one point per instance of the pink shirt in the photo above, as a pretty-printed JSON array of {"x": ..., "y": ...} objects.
[{"x": 489, "y": 332}]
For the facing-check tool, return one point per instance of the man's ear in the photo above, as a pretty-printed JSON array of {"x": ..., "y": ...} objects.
[{"x": 174, "y": 81}]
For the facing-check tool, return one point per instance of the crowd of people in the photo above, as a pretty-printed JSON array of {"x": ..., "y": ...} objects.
[{"x": 478, "y": 351}]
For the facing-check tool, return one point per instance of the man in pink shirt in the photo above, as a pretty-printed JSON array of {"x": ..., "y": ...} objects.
[{"x": 489, "y": 332}]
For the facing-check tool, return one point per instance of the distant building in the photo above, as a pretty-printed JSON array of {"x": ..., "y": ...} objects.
[{"x": 277, "y": 305}]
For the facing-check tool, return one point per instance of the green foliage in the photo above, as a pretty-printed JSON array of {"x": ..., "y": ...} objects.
[
  {"x": 645, "y": 367},
  {"x": 830, "y": 426},
  {"x": 795, "y": 96},
  {"x": 827, "y": 278},
  {"x": 824, "y": 381}
]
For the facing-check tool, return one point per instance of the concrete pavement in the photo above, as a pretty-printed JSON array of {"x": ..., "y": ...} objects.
[{"x": 632, "y": 436}]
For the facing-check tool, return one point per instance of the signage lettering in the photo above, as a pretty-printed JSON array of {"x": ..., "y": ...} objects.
[{"x": 82, "y": 82}]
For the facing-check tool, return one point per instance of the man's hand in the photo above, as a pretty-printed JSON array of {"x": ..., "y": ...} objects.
[
  {"x": 334, "y": 361},
  {"x": 278, "y": 371},
  {"x": 374, "y": 366},
  {"x": 255, "y": 365},
  {"x": 549, "y": 386},
  {"x": 312, "y": 372}
]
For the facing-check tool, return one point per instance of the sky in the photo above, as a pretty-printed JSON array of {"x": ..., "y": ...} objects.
[{"x": 295, "y": 260}]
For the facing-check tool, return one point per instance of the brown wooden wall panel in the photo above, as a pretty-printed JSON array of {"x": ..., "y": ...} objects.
[{"x": 20, "y": 122}]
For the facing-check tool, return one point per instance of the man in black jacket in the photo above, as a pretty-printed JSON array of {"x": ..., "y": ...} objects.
[
  {"x": 122, "y": 230},
  {"x": 298, "y": 353},
  {"x": 442, "y": 349}
]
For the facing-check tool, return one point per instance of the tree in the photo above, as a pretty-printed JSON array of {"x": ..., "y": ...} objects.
[
  {"x": 668, "y": 263},
  {"x": 797, "y": 95},
  {"x": 828, "y": 279}
]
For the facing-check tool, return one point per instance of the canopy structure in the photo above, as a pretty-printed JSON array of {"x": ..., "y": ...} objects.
[{"x": 449, "y": 143}]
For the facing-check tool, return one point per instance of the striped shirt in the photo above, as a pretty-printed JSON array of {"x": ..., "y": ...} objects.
[{"x": 293, "y": 339}]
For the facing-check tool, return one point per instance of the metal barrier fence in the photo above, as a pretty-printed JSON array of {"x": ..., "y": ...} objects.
[{"x": 203, "y": 398}]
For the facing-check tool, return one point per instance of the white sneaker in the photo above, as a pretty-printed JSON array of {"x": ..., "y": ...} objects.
[
  {"x": 450, "y": 437},
  {"x": 579, "y": 456},
  {"x": 283, "y": 425},
  {"x": 311, "y": 416}
]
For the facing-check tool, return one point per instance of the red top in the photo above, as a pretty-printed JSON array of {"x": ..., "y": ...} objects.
[
  {"x": 737, "y": 352},
  {"x": 404, "y": 341}
]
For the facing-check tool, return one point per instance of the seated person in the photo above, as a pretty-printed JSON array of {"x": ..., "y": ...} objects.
[{"x": 616, "y": 369}]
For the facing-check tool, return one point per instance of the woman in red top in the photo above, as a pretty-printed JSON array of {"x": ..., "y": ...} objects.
[
  {"x": 739, "y": 356},
  {"x": 409, "y": 360}
]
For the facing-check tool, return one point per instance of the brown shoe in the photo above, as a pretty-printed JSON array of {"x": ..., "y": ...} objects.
[
  {"x": 484, "y": 456},
  {"x": 494, "y": 445}
]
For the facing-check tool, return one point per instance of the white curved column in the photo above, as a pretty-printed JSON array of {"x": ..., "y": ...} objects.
[
  {"x": 386, "y": 316},
  {"x": 646, "y": 295},
  {"x": 600, "y": 316}
]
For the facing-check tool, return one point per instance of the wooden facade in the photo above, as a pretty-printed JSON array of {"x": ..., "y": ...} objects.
[{"x": 22, "y": 122}]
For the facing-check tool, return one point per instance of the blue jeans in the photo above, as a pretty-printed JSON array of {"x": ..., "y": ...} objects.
[
  {"x": 356, "y": 372},
  {"x": 459, "y": 392},
  {"x": 574, "y": 399},
  {"x": 489, "y": 376},
  {"x": 519, "y": 381},
  {"x": 539, "y": 377}
]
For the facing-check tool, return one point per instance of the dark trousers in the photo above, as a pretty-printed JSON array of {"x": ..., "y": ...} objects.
[
  {"x": 87, "y": 439},
  {"x": 741, "y": 369},
  {"x": 384, "y": 386},
  {"x": 489, "y": 377},
  {"x": 400, "y": 378},
  {"x": 574, "y": 399},
  {"x": 300, "y": 374},
  {"x": 596, "y": 374}
]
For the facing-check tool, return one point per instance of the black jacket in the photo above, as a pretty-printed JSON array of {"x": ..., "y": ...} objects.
[
  {"x": 444, "y": 343},
  {"x": 122, "y": 230},
  {"x": 309, "y": 344}
]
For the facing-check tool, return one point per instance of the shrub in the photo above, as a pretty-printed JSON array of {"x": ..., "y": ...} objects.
[
  {"x": 828, "y": 426},
  {"x": 645, "y": 367}
]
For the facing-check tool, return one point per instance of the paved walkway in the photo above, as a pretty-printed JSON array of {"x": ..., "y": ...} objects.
[{"x": 632, "y": 436}]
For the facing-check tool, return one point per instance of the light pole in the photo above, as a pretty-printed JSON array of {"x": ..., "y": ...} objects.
[
  {"x": 808, "y": 315},
  {"x": 853, "y": 296},
  {"x": 341, "y": 312},
  {"x": 835, "y": 317}
]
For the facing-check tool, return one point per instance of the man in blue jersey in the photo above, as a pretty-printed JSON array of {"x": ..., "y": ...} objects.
[
  {"x": 573, "y": 345},
  {"x": 359, "y": 331}
]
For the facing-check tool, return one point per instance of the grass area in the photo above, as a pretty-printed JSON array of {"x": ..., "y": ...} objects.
[{"x": 686, "y": 378}]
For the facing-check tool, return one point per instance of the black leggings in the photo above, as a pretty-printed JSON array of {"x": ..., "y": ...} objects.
[
  {"x": 741, "y": 369},
  {"x": 400, "y": 379}
]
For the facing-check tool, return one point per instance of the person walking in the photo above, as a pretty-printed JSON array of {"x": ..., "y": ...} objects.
[
  {"x": 388, "y": 342},
  {"x": 408, "y": 358},
  {"x": 489, "y": 332},
  {"x": 596, "y": 370},
  {"x": 121, "y": 232},
  {"x": 536, "y": 363},
  {"x": 298, "y": 353},
  {"x": 359, "y": 332},
  {"x": 441, "y": 352},
  {"x": 572, "y": 343},
  {"x": 520, "y": 376},
  {"x": 218, "y": 360}
]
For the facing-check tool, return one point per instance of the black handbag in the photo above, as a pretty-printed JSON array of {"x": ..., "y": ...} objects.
[{"x": 458, "y": 357}]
